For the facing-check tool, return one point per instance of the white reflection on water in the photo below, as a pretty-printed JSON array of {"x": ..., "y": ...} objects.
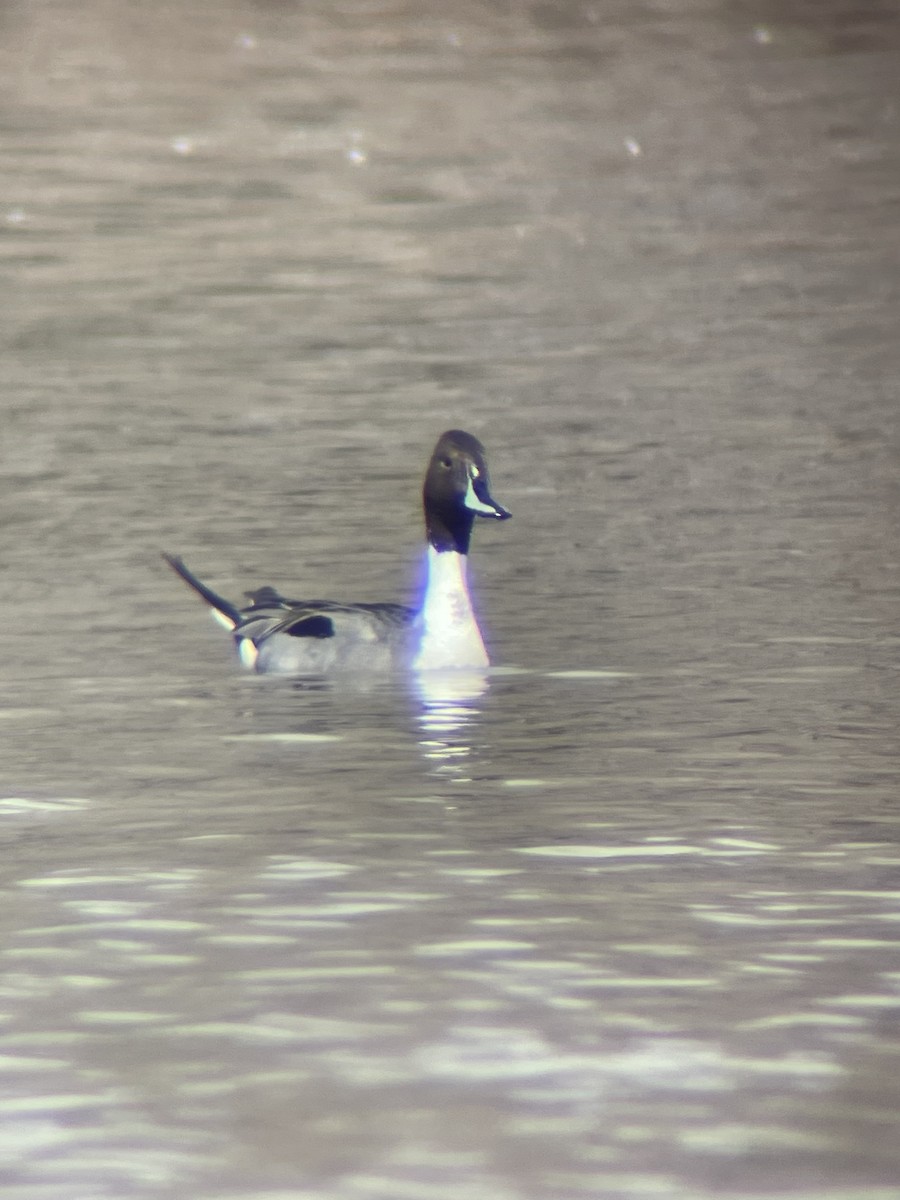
[
  {"x": 449, "y": 706},
  {"x": 671, "y": 1063},
  {"x": 10, "y": 805}
]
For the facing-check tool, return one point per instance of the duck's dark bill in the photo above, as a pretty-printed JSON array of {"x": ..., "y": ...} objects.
[{"x": 479, "y": 500}]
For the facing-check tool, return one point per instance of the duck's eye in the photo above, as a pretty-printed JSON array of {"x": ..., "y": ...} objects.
[{"x": 445, "y": 462}]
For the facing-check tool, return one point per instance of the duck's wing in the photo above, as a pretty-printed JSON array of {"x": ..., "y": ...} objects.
[{"x": 270, "y": 613}]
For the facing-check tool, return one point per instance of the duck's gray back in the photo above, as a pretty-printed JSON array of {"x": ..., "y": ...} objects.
[{"x": 321, "y": 637}]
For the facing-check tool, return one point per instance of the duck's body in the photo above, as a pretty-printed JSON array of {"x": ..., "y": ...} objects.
[{"x": 320, "y": 637}]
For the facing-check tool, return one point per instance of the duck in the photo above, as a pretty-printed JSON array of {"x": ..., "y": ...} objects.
[{"x": 275, "y": 635}]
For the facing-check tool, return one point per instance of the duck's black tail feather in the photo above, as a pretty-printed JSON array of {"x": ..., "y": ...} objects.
[{"x": 228, "y": 610}]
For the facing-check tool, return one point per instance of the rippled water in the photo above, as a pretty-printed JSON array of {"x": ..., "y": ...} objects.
[{"x": 621, "y": 919}]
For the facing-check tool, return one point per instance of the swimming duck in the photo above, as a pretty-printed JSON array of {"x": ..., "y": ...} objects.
[{"x": 275, "y": 635}]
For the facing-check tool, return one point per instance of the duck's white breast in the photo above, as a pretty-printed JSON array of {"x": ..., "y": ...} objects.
[{"x": 449, "y": 633}]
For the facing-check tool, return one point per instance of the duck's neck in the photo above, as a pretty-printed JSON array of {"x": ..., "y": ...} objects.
[{"x": 450, "y": 636}]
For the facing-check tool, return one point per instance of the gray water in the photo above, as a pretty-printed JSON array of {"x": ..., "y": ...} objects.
[{"x": 621, "y": 920}]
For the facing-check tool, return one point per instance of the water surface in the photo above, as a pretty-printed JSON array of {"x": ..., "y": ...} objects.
[{"x": 620, "y": 919}]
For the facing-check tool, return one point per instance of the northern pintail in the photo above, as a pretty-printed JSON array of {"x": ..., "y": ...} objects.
[{"x": 275, "y": 635}]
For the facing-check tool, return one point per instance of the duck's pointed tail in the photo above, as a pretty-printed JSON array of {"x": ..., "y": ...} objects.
[{"x": 223, "y": 610}]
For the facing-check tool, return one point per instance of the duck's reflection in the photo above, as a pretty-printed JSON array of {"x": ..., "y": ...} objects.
[{"x": 449, "y": 707}]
